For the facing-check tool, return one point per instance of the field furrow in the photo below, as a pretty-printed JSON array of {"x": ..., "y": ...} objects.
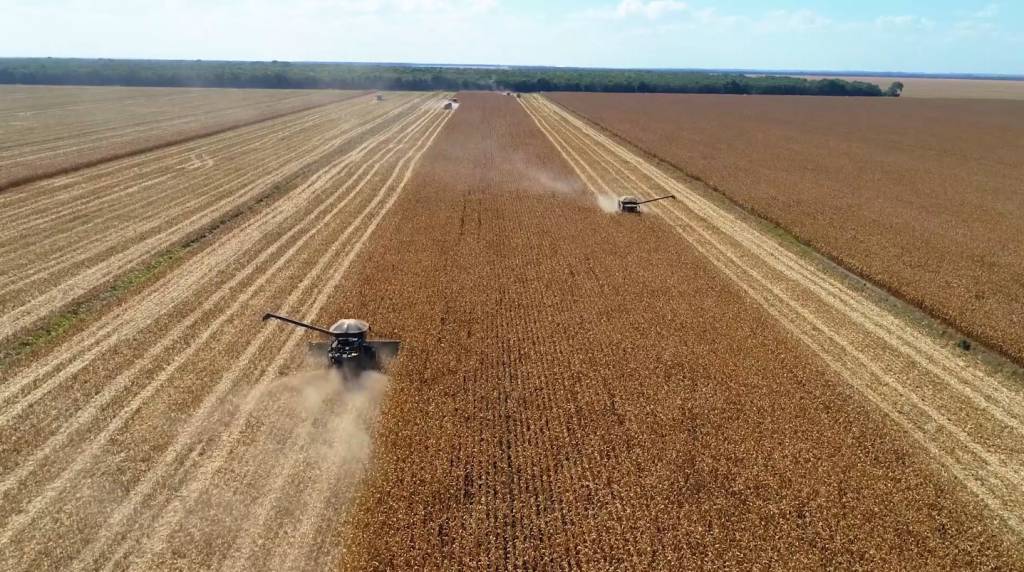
[
  {"x": 185, "y": 417},
  {"x": 968, "y": 418}
]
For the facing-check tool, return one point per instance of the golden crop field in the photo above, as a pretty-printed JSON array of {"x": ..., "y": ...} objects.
[
  {"x": 577, "y": 388},
  {"x": 920, "y": 196}
]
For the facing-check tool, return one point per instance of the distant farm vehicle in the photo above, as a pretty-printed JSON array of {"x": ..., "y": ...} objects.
[
  {"x": 448, "y": 106},
  {"x": 631, "y": 204},
  {"x": 379, "y": 97},
  {"x": 349, "y": 351}
]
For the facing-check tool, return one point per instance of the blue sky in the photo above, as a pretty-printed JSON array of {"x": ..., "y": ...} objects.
[{"x": 892, "y": 35}]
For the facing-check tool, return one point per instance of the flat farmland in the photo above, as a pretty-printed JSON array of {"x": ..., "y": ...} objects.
[
  {"x": 576, "y": 389},
  {"x": 49, "y": 130},
  {"x": 921, "y": 196},
  {"x": 66, "y": 236},
  {"x": 114, "y": 443},
  {"x": 588, "y": 391}
]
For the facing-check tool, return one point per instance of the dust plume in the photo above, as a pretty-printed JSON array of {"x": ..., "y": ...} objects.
[
  {"x": 608, "y": 203},
  {"x": 284, "y": 471},
  {"x": 547, "y": 181}
]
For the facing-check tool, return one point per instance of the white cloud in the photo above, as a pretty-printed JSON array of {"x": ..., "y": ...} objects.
[
  {"x": 989, "y": 11},
  {"x": 652, "y": 9},
  {"x": 904, "y": 21},
  {"x": 791, "y": 20}
]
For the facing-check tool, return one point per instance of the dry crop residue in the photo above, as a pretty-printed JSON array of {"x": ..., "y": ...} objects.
[
  {"x": 921, "y": 196},
  {"x": 62, "y": 238},
  {"x": 162, "y": 435},
  {"x": 48, "y": 130},
  {"x": 968, "y": 419},
  {"x": 582, "y": 390}
]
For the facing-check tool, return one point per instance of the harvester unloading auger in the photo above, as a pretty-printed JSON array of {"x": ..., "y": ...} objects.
[
  {"x": 631, "y": 204},
  {"x": 348, "y": 351}
]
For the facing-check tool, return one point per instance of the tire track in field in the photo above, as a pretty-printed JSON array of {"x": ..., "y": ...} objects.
[
  {"x": 966, "y": 417},
  {"x": 271, "y": 128},
  {"x": 98, "y": 157},
  {"x": 126, "y": 169},
  {"x": 128, "y": 199},
  {"x": 205, "y": 478},
  {"x": 100, "y": 338},
  {"x": 67, "y": 481},
  {"x": 99, "y": 193},
  {"x": 86, "y": 134},
  {"x": 1006, "y": 405},
  {"x": 241, "y": 365},
  {"x": 111, "y": 135},
  {"x": 99, "y": 242},
  {"x": 57, "y": 373},
  {"x": 70, "y": 194},
  {"x": 50, "y": 300}
]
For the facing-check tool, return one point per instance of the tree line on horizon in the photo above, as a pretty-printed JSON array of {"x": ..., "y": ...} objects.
[{"x": 397, "y": 77}]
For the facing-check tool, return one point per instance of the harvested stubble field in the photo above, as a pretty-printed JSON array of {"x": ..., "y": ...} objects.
[
  {"x": 64, "y": 237},
  {"x": 50, "y": 130},
  {"x": 923, "y": 197},
  {"x": 156, "y": 434},
  {"x": 576, "y": 389}
]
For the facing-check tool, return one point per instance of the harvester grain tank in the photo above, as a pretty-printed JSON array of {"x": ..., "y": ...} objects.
[
  {"x": 349, "y": 349},
  {"x": 631, "y": 204}
]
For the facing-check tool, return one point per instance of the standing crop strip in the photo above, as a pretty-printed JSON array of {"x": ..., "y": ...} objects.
[
  {"x": 920, "y": 196},
  {"x": 583, "y": 390},
  {"x": 970, "y": 420}
]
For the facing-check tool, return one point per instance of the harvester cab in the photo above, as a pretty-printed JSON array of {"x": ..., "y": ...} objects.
[
  {"x": 631, "y": 204},
  {"x": 349, "y": 349}
]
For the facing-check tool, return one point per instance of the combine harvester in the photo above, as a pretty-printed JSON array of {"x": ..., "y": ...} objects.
[
  {"x": 631, "y": 204},
  {"x": 349, "y": 351}
]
